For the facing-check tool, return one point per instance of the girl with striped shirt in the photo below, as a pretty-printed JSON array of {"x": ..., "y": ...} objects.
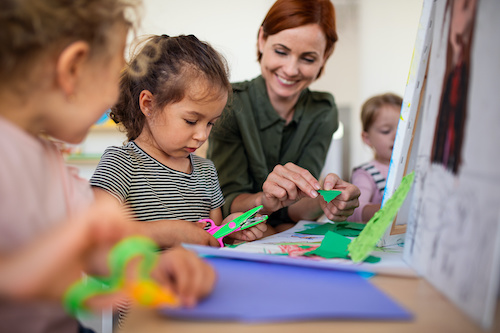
[{"x": 171, "y": 93}]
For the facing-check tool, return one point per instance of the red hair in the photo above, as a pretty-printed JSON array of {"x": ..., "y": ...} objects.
[{"x": 288, "y": 14}]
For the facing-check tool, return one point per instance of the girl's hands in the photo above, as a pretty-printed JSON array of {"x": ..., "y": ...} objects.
[
  {"x": 250, "y": 234},
  {"x": 45, "y": 268},
  {"x": 181, "y": 231}
]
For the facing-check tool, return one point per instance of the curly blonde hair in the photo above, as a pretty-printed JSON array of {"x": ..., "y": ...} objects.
[{"x": 34, "y": 29}]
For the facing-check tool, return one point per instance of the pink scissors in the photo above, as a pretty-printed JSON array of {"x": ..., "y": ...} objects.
[{"x": 242, "y": 222}]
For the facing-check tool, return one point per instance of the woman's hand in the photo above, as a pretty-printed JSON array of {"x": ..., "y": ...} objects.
[
  {"x": 340, "y": 208},
  {"x": 287, "y": 184}
]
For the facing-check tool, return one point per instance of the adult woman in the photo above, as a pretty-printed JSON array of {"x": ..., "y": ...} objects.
[{"x": 270, "y": 145}]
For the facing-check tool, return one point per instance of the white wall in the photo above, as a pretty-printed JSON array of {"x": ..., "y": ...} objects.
[{"x": 372, "y": 56}]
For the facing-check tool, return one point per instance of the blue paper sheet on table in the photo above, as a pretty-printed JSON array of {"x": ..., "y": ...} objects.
[{"x": 259, "y": 292}]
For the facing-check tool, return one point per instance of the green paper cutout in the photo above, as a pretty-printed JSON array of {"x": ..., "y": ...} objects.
[
  {"x": 378, "y": 224},
  {"x": 348, "y": 232},
  {"x": 350, "y": 225},
  {"x": 335, "y": 246},
  {"x": 329, "y": 195},
  {"x": 348, "y": 229},
  {"x": 321, "y": 229},
  {"x": 332, "y": 246},
  {"x": 372, "y": 260}
]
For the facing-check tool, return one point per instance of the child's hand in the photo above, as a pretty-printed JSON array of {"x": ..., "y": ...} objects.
[
  {"x": 179, "y": 231},
  {"x": 340, "y": 208},
  {"x": 250, "y": 234},
  {"x": 47, "y": 267},
  {"x": 183, "y": 272}
]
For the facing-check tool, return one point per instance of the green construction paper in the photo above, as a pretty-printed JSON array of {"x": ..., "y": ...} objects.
[
  {"x": 348, "y": 229},
  {"x": 350, "y": 225},
  {"x": 348, "y": 232},
  {"x": 329, "y": 195},
  {"x": 372, "y": 259},
  {"x": 361, "y": 246},
  {"x": 332, "y": 246},
  {"x": 335, "y": 246},
  {"x": 320, "y": 229}
]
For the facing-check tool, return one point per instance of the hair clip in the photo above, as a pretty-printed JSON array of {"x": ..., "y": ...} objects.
[{"x": 165, "y": 36}]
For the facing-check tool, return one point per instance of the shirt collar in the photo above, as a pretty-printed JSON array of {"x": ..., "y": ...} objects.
[{"x": 265, "y": 111}]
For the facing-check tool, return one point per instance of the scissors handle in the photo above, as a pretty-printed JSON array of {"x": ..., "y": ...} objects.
[{"x": 213, "y": 229}]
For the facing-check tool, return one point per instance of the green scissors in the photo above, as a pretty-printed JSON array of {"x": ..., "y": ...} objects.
[{"x": 242, "y": 222}]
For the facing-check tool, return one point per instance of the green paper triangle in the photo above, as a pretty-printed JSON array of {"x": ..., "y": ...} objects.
[{"x": 329, "y": 195}]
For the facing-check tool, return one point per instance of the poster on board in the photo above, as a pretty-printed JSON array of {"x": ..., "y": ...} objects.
[{"x": 453, "y": 217}]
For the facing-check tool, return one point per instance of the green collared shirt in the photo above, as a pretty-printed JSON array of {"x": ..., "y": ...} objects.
[{"x": 250, "y": 138}]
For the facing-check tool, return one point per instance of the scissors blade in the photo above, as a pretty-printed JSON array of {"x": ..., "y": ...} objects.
[
  {"x": 236, "y": 223},
  {"x": 250, "y": 222}
]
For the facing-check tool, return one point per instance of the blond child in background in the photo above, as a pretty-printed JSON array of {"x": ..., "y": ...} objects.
[
  {"x": 171, "y": 94},
  {"x": 60, "y": 63},
  {"x": 379, "y": 118}
]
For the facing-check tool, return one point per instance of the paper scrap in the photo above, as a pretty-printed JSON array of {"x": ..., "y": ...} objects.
[
  {"x": 333, "y": 246},
  {"x": 329, "y": 195},
  {"x": 348, "y": 229},
  {"x": 361, "y": 246}
]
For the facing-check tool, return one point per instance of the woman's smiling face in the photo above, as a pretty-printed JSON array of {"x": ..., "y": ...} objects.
[{"x": 291, "y": 60}]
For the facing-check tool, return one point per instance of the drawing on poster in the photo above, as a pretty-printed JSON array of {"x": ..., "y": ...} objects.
[{"x": 453, "y": 230}]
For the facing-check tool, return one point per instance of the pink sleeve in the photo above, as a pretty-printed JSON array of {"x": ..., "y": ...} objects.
[
  {"x": 79, "y": 192},
  {"x": 364, "y": 181}
]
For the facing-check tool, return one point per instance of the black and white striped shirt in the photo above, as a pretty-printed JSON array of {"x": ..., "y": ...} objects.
[{"x": 154, "y": 191}]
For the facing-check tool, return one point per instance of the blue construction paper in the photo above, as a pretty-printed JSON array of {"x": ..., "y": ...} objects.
[{"x": 256, "y": 292}]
